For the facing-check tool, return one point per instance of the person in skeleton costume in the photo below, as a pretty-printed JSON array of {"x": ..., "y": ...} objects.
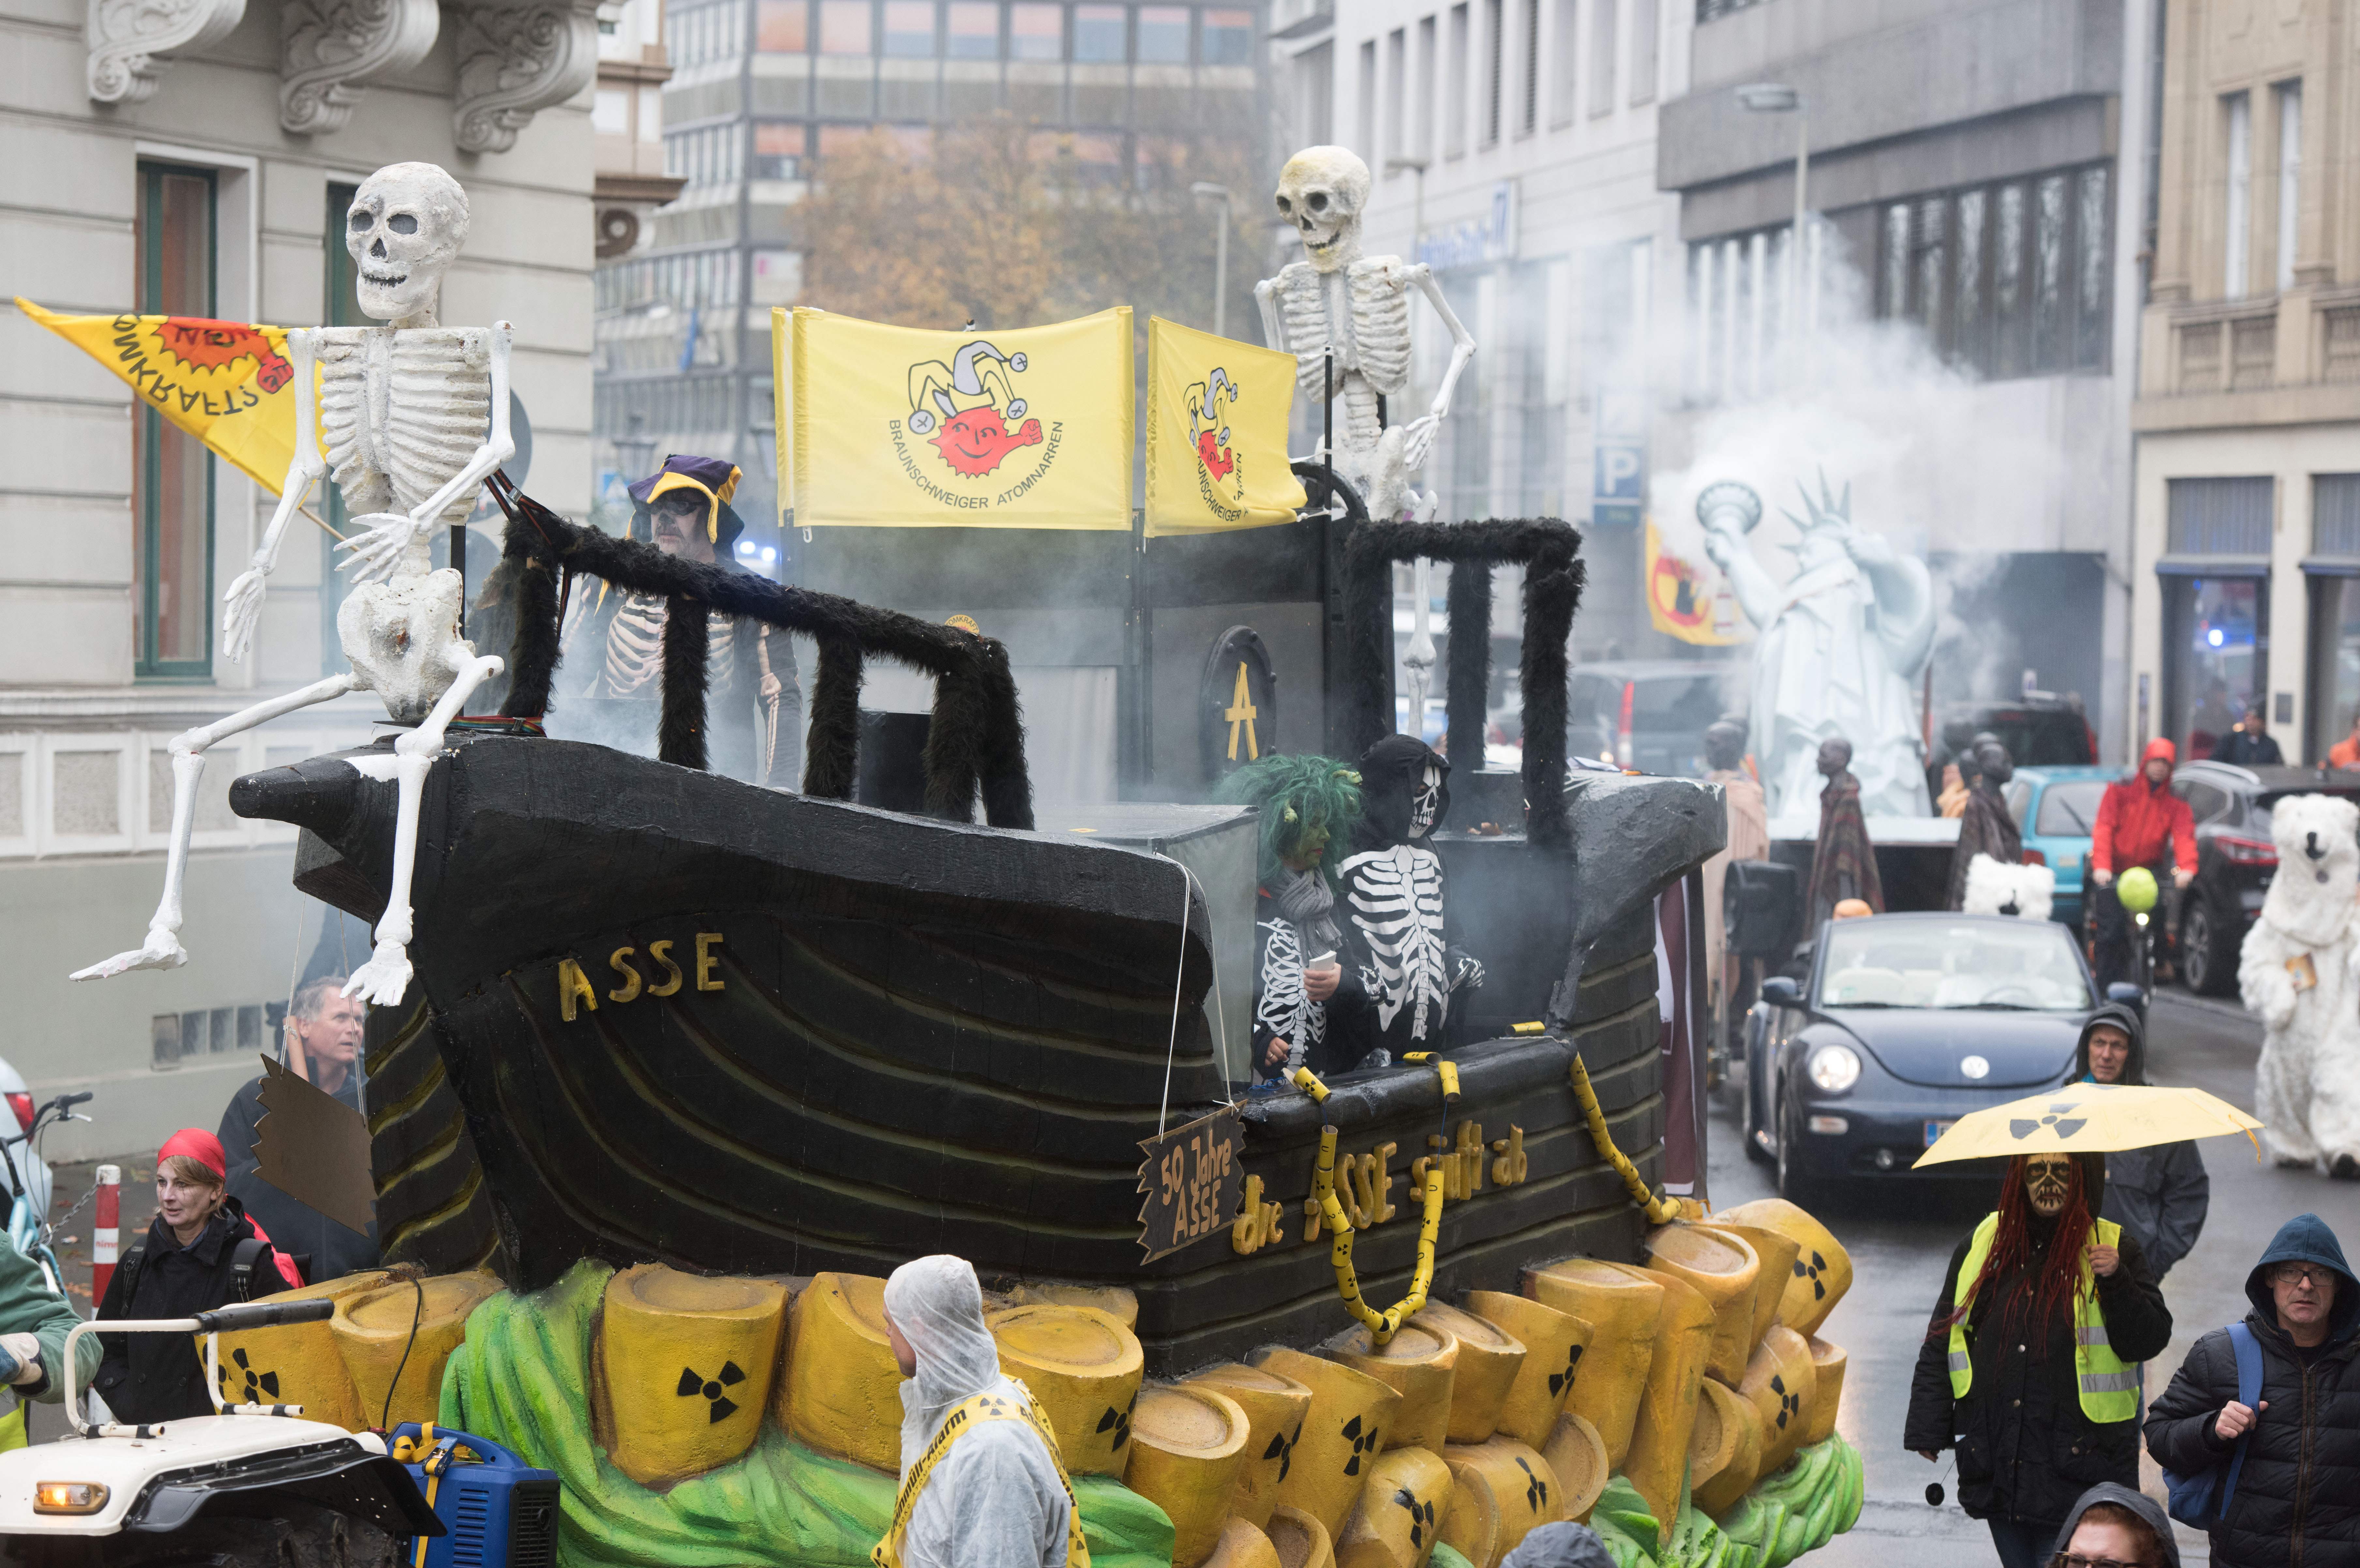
[
  {"x": 614, "y": 640},
  {"x": 1985, "y": 827},
  {"x": 1844, "y": 864},
  {"x": 1392, "y": 884},
  {"x": 1304, "y": 804}
]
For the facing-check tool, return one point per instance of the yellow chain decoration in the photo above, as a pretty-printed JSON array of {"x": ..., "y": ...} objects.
[
  {"x": 1660, "y": 1209},
  {"x": 1382, "y": 1325}
]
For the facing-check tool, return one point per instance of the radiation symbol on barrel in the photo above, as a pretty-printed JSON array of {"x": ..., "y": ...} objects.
[
  {"x": 1117, "y": 1422},
  {"x": 1560, "y": 1381},
  {"x": 1237, "y": 707},
  {"x": 1536, "y": 1489},
  {"x": 693, "y": 1383},
  {"x": 1281, "y": 1448},
  {"x": 1362, "y": 1443},
  {"x": 1421, "y": 1515},
  {"x": 259, "y": 1385}
]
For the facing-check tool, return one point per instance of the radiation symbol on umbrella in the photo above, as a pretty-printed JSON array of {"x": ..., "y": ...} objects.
[{"x": 2025, "y": 1127}]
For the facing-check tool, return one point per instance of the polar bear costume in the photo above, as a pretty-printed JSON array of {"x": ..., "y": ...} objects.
[
  {"x": 2307, "y": 1080},
  {"x": 1995, "y": 888}
]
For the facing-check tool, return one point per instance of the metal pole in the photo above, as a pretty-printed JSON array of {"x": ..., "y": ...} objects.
[
  {"x": 1799, "y": 261},
  {"x": 1221, "y": 275}
]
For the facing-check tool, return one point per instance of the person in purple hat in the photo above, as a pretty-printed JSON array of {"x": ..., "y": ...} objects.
[{"x": 614, "y": 640}]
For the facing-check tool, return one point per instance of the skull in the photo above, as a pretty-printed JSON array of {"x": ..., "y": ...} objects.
[
  {"x": 404, "y": 229},
  {"x": 2048, "y": 1180},
  {"x": 1322, "y": 191}
]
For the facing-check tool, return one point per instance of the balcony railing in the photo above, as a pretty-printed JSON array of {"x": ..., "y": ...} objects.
[{"x": 2306, "y": 337}]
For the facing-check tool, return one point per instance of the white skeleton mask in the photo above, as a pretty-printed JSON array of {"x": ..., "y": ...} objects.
[
  {"x": 404, "y": 229},
  {"x": 1426, "y": 801},
  {"x": 1323, "y": 191}
]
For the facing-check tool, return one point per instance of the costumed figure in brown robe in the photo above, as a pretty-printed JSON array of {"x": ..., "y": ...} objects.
[
  {"x": 1985, "y": 827},
  {"x": 1843, "y": 865},
  {"x": 1749, "y": 836}
]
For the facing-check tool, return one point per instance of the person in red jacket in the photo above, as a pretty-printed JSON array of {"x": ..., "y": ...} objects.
[{"x": 2140, "y": 822}]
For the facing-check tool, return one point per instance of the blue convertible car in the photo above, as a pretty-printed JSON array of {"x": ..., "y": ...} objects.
[{"x": 1904, "y": 1024}]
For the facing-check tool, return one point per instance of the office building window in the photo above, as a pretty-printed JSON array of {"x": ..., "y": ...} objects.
[
  {"x": 844, "y": 26},
  {"x": 1528, "y": 67},
  {"x": 1601, "y": 56},
  {"x": 1496, "y": 48},
  {"x": 1036, "y": 32},
  {"x": 1744, "y": 309},
  {"x": 2333, "y": 704},
  {"x": 1565, "y": 62},
  {"x": 910, "y": 29},
  {"x": 2236, "y": 227},
  {"x": 781, "y": 26},
  {"x": 2216, "y": 656},
  {"x": 1099, "y": 35},
  {"x": 707, "y": 32},
  {"x": 2218, "y": 517},
  {"x": 1645, "y": 23},
  {"x": 1367, "y": 141},
  {"x": 1229, "y": 37},
  {"x": 1164, "y": 35},
  {"x": 1711, "y": 10},
  {"x": 779, "y": 149},
  {"x": 1454, "y": 86},
  {"x": 1425, "y": 105},
  {"x": 2008, "y": 279},
  {"x": 1396, "y": 105},
  {"x": 713, "y": 154},
  {"x": 172, "y": 491},
  {"x": 974, "y": 30},
  {"x": 2289, "y": 97}
]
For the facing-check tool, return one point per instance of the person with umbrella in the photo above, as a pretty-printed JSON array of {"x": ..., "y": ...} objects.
[{"x": 2159, "y": 1193}]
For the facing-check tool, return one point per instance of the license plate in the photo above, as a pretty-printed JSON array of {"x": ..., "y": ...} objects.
[{"x": 1936, "y": 1129}]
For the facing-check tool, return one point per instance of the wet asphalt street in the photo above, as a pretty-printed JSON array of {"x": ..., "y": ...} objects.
[{"x": 1901, "y": 1241}]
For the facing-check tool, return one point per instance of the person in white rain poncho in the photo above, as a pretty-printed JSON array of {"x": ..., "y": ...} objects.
[{"x": 982, "y": 1485}]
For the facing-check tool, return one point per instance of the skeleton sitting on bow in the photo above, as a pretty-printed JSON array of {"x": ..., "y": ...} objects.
[{"x": 415, "y": 416}]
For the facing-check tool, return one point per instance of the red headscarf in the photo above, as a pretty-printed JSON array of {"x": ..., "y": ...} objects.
[{"x": 206, "y": 1149}]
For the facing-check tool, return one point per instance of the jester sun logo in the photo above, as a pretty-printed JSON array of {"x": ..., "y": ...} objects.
[{"x": 968, "y": 409}]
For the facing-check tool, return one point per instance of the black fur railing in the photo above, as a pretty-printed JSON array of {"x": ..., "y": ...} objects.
[
  {"x": 976, "y": 741},
  {"x": 1549, "y": 550}
]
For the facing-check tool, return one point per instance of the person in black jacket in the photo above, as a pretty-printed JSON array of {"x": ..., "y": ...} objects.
[
  {"x": 200, "y": 1252},
  {"x": 2298, "y": 1497},
  {"x": 2028, "y": 1442},
  {"x": 2159, "y": 1195}
]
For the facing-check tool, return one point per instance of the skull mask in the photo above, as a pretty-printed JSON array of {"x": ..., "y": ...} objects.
[
  {"x": 1404, "y": 791},
  {"x": 2047, "y": 1181},
  {"x": 404, "y": 229},
  {"x": 1426, "y": 801},
  {"x": 1323, "y": 191}
]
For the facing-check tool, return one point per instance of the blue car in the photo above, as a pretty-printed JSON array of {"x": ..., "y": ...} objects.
[{"x": 2055, "y": 809}]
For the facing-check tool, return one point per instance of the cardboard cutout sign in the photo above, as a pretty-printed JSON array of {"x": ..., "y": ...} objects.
[
  {"x": 314, "y": 1147},
  {"x": 1193, "y": 1177}
]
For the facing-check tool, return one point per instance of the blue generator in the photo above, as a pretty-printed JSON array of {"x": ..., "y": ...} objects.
[{"x": 500, "y": 1512}]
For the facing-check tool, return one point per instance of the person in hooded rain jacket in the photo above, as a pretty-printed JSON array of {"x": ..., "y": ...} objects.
[
  {"x": 2298, "y": 1497},
  {"x": 2115, "y": 1524},
  {"x": 2160, "y": 1194},
  {"x": 2140, "y": 822},
  {"x": 982, "y": 1485},
  {"x": 2030, "y": 1366}
]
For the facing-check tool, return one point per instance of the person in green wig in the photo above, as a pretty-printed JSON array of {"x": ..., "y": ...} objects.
[{"x": 1306, "y": 1003}]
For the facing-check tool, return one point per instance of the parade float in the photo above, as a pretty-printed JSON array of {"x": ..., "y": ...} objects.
[{"x": 670, "y": 1070}]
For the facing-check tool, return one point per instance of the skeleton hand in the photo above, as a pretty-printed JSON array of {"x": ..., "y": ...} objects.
[
  {"x": 242, "y": 607},
  {"x": 385, "y": 978},
  {"x": 378, "y": 549},
  {"x": 1417, "y": 440},
  {"x": 163, "y": 950},
  {"x": 1467, "y": 972}
]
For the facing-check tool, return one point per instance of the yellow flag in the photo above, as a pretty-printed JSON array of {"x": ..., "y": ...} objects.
[
  {"x": 780, "y": 396},
  {"x": 897, "y": 427},
  {"x": 228, "y": 384},
  {"x": 1690, "y": 600},
  {"x": 1216, "y": 413}
]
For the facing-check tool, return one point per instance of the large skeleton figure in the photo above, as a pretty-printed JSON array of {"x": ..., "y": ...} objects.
[
  {"x": 404, "y": 409},
  {"x": 1358, "y": 307}
]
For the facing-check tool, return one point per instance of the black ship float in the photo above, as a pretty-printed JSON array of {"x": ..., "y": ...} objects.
[{"x": 688, "y": 1065}]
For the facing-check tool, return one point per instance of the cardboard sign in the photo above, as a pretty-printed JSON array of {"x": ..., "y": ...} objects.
[{"x": 1194, "y": 1178}]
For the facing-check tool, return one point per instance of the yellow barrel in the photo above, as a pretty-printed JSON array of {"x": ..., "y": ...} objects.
[
  {"x": 1827, "y": 1391},
  {"x": 1275, "y": 1406},
  {"x": 1722, "y": 1267},
  {"x": 1400, "y": 1516},
  {"x": 1577, "y": 1456},
  {"x": 1659, "y": 1439},
  {"x": 299, "y": 1364},
  {"x": 1822, "y": 1270},
  {"x": 1777, "y": 1252},
  {"x": 1419, "y": 1362},
  {"x": 1621, "y": 1305},
  {"x": 1187, "y": 1442},
  {"x": 374, "y": 1332},
  {"x": 1114, "y": 1301},
  {"x": 1781, "y": 1381},
  {"x": 1553, "y": 1343},
  {"x": 1242, "y": 1546},
  {"x": 1302, "y": 1541},
  {"x": 1489, "y": 1359},
  {"x": 842, "y": 1390},
  {"x": 1501, "y": 1490},
  {"x": 685, "y": 1364},
  {"x": 1725, "y": 1455},
  {"x": 1082, "y": 1365},
  {"x": 1352, "y": 1415}
]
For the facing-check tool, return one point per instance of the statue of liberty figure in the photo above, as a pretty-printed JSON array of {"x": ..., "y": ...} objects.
[{"x": 1841, "y": 646}]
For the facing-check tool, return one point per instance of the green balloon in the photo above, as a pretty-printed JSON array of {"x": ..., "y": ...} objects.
[{"x": 2135, "y": 889}]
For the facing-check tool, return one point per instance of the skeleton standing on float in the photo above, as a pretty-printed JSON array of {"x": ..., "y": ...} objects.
[{"x": 415, "y": 416}]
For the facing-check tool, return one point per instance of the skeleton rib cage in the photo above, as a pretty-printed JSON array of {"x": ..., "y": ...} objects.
[{"x": 1396, "y": 895}]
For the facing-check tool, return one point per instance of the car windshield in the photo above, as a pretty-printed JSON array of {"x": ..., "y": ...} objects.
[
  {"x": 2070, "y": 808},
  {"x": 1988, "y": 963}
]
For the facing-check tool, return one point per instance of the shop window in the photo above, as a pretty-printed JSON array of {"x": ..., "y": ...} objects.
[
  {"x": 172, "y": 499},
  {"x": 2216, "y": 656},
  {"x": 2332, "y": 704}
]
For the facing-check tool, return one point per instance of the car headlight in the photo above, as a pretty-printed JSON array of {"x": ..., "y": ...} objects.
[
  {"x": 1835, "y": 1068},
  {"x": 69, "y": 1497}
]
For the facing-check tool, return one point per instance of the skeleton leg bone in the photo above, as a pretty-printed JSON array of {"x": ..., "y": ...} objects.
[
  {"x": 386, "y": 976},
  {"x": 162, "y": 949}
]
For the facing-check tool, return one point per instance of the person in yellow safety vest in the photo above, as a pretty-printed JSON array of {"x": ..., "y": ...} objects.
[
  {"x": 2030, "y": 1369},
  {"x": 982, "y": 1483}
]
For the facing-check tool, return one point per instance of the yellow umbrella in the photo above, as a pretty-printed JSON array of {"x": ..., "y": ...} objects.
[{"x": 2089, "y": 1118}]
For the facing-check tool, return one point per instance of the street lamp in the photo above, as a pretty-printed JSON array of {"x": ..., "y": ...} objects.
[
  {"x": 1418, "y": 659},
  {"x": 1206, "y": 189},
  {"x": 1417, "y": 166},
  {"x": 1777, "y": 98}
]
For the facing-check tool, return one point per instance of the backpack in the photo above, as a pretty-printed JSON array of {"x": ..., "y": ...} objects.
[
  {"x": 241, "y": 1269},
  {"x": 2193, "y": 1502}
]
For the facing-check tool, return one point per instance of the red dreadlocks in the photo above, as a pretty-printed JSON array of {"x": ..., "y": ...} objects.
[{"x": 2052, "y": 1289}]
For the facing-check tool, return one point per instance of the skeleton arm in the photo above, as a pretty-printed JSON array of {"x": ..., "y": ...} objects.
[
  {"x": 376, "y": 551},
  {"x": 1420, "y": 435},
  {"x": 1266, "y": 300},
  {"x": 243, "y": 603}
]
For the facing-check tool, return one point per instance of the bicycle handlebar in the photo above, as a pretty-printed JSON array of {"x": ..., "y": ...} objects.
[{"x": 263, "y": 1314}]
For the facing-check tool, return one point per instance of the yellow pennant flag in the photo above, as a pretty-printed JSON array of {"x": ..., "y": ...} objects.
[
  {"x": 228, "y": 384},
  {"x": 898, "y": 427},
  {"x": 782, "y": 401},
  {"x": 1216, "y": 414}
]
